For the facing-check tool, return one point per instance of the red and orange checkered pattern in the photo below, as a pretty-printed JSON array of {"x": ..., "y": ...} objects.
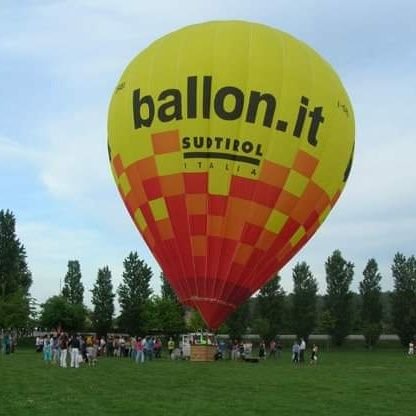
[{"x": 217, "y": 250}]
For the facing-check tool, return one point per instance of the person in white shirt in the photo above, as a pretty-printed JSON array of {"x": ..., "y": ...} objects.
[
  {"x": 302, "y": 348},
  {"x": 39, "y": 344},
  {"x": 411, "y": 348}
]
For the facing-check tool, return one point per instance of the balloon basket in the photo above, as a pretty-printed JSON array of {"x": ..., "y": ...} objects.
[{"x": 203, "y": 353}]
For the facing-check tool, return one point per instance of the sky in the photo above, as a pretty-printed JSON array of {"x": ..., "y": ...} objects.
[{"x": 60, "y": 61}]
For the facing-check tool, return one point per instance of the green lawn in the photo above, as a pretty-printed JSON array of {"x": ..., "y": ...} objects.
[{"x": 344, "y": 383}]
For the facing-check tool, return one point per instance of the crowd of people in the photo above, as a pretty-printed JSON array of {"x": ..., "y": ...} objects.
[
  {"x": 72, "y": 350},
  {"x": 241, "y": 350},
  {"x": 244, "y": 350},
  {"x": 299, "y": 350},
  {"x": 68, "y": 350},
  {"x": 8, "y": 342}
]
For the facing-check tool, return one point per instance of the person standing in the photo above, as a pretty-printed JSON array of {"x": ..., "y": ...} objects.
[
  {"x": 148, "y": 348},
  {"x": 110, "y": 347},
  {"x": 171, "y": 347},
  {"x": 13, "y": 342},
  {"x": 139, "y": 351},
  {"x": 222, "y": 348},
  {"x": 234, "y": 350},
  {"x": 158, "y": 348},
  {"x": 411, "y": 348},
  {"x": 75, "y": 345},
  {"x": 127, "y": 347},
  {"x": 272, "y": 348},
  {"x": 302, "y": 348},
  {"x": 133, "y": 348},
  {"x": 295, "y": 352},
  {"x": 83, "y": 349},
  {"x": 262, "y": 350},
  {"x": 101, "y": 346},
  {"x": 6, "y": 343},
  {"x": 314, "y": 355},
  {"x": 56, "y": 350},
  {"x": 64, "y": 349},
  {"x": 241, "y": 350},
  {"x": 47, "y": 348},
  {"x": 39, "y": 344},
  {"x": 122, "y": 346}
]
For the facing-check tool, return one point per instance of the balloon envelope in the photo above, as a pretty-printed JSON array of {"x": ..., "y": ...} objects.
[{"x": 229, "y": 142}]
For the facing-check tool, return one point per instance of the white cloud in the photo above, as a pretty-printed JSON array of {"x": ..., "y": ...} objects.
[
  {"x": 12, "y": 151},
  {"x": 75, "y": 161},
  {"x": 382, "y": 181},
  {"x": 71, "y": 160}
]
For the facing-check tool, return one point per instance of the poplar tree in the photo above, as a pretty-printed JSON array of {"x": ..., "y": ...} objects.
[
  {"x": 15, "y": 276},
  {"x": 14, "y": 272},
  {"x": 73, "y": 289},
  {"x": 304, "y": 307},
  {"x": 371, "y": 306},
  {"x": 271, "y": 306},
  {"x": 338, "y": 300},
  {"x": 103, "y": 301},
  {"x": 404, "y": 297},
  {"x": 134, "y": 293}
]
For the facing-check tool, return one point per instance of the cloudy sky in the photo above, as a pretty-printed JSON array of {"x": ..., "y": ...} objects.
[{"x": 60, "y": 60}]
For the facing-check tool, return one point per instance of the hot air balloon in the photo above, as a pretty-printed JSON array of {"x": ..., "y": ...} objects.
[{"x": 229, "y": 142}]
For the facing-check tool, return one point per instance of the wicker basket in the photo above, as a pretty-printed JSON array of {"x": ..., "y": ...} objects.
[{"x": 203, "y": 352}]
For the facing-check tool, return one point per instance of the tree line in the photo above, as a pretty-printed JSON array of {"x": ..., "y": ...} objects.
[{"x": 269, "y": 313}]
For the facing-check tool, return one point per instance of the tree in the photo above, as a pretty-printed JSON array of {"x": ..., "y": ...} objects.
[
  {"x": 14, "y": 272},
  {"x": 261, "y": 326},
  {"x": 195, "y": 321},
  {"x": 166, "y": 289},
  {"x": 57, "y": 313},
  {"x": 404, "y": 297},
  {"x": 371, "y": 307},
  {"x": 73, "y": 289},
  {"x": 174, "y": 321},
  {"x": 15, "y": 310},
  {"x": 134, "y": 293},
  {"x": 103, "y": 301},
  {"x": 304, "y": 301},
  {"x": 238, "y": 321},
  {"x": 271, "y": 306},
  {"x": 327, "y": 322},
  {"x": 15, "y": 276},
  {"x": 339, "y": 274},
  {"x": 163, "y": 315}
]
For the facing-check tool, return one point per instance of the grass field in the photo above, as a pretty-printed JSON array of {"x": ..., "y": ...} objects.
[{"x": 344, "y": 383}]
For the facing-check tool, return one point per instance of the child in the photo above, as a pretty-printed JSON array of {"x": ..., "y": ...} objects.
[{"x": 314, "y": 354}]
